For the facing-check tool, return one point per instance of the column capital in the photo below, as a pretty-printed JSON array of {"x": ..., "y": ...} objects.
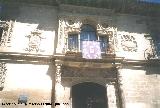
[
  {"x": 111, "y": 83},
  {"x": 58, "y": 62}
]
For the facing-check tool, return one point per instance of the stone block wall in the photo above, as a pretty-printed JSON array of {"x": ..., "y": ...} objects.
[
  {"x": 139, "y": 89},
  {"x": 45, "y": 16},
  {"x": 29, "y": 80}
]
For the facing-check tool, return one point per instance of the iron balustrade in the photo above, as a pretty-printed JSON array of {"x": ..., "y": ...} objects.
[{"x": 76, "y": 45}]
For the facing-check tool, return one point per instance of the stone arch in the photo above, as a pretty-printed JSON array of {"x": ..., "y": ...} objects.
[
  {"x": 90, "y": 80},
  {"x": 89, "y": 94}
]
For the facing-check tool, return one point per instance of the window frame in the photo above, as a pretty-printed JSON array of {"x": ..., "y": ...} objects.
[
  {"x": 106, "y": 42},
  {"x": 73, "y": 34}
]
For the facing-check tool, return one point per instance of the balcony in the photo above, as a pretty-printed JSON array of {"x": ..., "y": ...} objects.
[{"x": 74, "y": 48}]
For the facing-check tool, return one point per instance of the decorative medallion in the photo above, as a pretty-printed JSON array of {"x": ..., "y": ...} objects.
[
  {"x": 34, "y": 41},
  {"x": 128, "y": 43}
]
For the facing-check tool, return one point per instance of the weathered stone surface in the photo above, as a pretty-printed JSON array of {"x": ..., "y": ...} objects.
[
  {"x": 126, "y": 33},
  {"x": 139, "y": 89}
]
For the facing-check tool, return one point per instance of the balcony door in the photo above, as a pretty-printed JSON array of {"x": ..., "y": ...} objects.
[{"x": 88, "y": 33}]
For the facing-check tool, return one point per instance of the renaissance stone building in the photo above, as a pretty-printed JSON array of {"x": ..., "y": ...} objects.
[{"x": 44, "y": 58}]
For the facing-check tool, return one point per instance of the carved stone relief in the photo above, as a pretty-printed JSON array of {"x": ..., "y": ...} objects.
[
  {"x": 111, "y": 32},
  {"x": 7, "y": 29},
  {"x": 34, "y": 41},
  {"x": 2, "y": 74},
  {"x": 60, "y": 36},
  {"x": 128, "y": 43},
  {"x": 59, "y": 89},
  {"x": 66, "y": 25},
  {"x": 87, "y": 72},
  {"x": 58, "y": 73}
]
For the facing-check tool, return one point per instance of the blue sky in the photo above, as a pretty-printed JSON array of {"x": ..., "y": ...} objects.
[{"x": 151, "y": 1}]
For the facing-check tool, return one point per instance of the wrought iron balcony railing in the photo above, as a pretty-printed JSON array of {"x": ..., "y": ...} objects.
[{"x": 76, "y": 46}]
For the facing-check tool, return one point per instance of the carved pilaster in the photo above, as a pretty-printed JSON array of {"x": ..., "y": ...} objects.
[
  {"x": 7, "y": 28},
  {"x": 2, "y": 74},
  {"x": 58, "y": 86},
  {"x": 111, "y": 94}
]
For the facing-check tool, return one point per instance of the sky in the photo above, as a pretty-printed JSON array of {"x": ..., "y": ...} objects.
[{"x": 151, "y": 1}]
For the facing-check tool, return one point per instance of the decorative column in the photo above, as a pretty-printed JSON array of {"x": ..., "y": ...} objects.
[
  {"x": 111, "y": 94},
  {"x": 58, "y": 86}
]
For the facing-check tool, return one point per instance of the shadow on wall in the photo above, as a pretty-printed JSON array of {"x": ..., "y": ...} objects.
[
  {"x": 50, "y": 72},
  {"x": 9, "y": 12},
  {"x": 44, "y": 16},
  {"x": 152, "y": 70}
]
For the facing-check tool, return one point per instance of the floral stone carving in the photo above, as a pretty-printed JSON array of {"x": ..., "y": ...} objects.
[
  {"x": 7, "y": 29},
  {"x": 2, "y": 74}
]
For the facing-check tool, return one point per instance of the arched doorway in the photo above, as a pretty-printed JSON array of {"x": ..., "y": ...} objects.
[{"x": 89, "y": 95}]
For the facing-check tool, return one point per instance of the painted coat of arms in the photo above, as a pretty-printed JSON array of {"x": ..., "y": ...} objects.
[{"x": 91, "y": 50}]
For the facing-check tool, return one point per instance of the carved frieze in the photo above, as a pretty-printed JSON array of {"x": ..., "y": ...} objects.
[
  {"x": 2, "y": 74},
  {"x": 34, "y": 41},
  {"x": 88, "y": 72},
  {"x": 7, "y": 29},
  {"x": 128, "y": 43}
]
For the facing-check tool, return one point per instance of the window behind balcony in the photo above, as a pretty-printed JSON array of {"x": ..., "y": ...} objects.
[
  {"x": 73, "y": 42},
  {"x": 88, "y": 33},
  {"x": 103, "y": 43}
]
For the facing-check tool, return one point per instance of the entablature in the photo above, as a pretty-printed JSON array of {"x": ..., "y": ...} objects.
[
  {"x": 10, "y": 57},
  {"x": 79, "y": 62}
]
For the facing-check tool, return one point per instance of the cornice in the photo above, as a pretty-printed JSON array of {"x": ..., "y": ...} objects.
[{"x": 120, "y": 6}]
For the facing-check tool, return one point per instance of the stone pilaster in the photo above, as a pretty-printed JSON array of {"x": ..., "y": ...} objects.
[
  {"x": 58, "y": 85},
  {"x": 2, "y": 74},
  {"x": 120, "y": 89},
  {"x": 111, "y": 94}
]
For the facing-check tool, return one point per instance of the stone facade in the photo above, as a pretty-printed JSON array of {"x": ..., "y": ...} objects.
[{"x": 36, "y": 62}]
